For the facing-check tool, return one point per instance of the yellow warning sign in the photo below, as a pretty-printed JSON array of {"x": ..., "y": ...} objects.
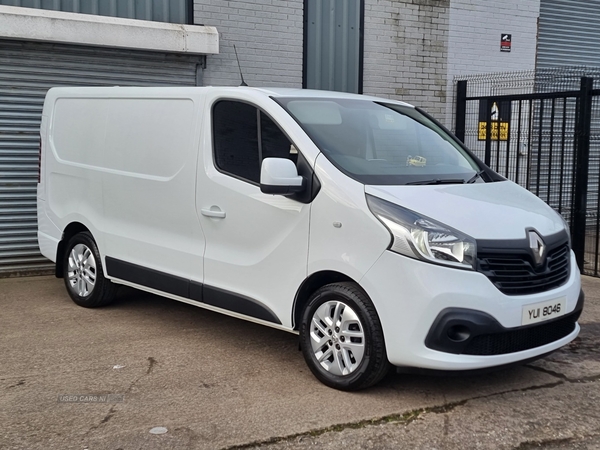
[
  {"x": 499, "y": 121},
  {"x": 493, "y": 130}
]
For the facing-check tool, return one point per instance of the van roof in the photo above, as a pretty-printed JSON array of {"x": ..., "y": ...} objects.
[
  {"x": 267, "y": 91},
  {"x": 296, "y": 92},
  {"x": 314, "y": 93}
]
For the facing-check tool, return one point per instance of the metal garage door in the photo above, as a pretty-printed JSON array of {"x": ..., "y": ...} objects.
[
  {"x": 27, "y": 71},
  {"x": 568, "y": 33},
  {"x": 333, "y": 45}
]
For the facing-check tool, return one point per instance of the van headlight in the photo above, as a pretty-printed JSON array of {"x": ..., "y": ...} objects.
[{"x": 423, "y": 238}]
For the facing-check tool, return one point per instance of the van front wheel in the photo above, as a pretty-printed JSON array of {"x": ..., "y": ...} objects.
[
  {"x": 83, "y": 275},
  {"x": 342, "y": 339}
]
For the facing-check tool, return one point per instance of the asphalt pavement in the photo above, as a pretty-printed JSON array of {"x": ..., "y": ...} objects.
[{"x": 111, "y": 378}]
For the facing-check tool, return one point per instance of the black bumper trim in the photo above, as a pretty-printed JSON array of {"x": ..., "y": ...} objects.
[{"x": 472, "y": 332}]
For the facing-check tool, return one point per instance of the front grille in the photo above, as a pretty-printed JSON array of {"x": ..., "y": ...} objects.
[
  {"x": 515, "y": 273},
  {"x": 521, "y": 339}
]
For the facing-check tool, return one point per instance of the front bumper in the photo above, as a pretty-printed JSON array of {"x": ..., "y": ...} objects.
[
  {"x": 411, "y": 295},
  {"x": 470, "y": 332}
]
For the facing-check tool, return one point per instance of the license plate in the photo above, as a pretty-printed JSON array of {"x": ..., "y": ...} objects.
[{"x": 538, "y": 312}]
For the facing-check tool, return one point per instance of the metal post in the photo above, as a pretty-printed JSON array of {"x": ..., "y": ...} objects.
[
  {"x": 200, "y": 71},
  {"x": 582, "y": 157},
  {"x": 488, "y": 133},
  {"x": 461, "y": 110}
]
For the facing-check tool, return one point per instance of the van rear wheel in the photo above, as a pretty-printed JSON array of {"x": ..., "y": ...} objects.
[
  {"x": 342, "y": 339},
  {"x": 83, "y": 276}
]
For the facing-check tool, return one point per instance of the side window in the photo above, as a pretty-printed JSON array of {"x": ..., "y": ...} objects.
[
  {"x": 235, "y": 137},
  {"x": 239, "y": 147},
  {"x": 275, "y": 144}
]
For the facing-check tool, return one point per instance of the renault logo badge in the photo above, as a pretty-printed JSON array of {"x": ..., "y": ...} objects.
[{"x": 537, "y": 247}]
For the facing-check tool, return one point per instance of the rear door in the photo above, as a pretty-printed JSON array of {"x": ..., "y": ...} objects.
[{"x": 256, "y": 244}]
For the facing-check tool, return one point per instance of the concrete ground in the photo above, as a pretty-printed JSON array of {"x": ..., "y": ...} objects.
[{"x": 216, "y": 382}]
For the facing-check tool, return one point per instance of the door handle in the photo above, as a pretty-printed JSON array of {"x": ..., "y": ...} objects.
[{"x": 216, "y": 213}]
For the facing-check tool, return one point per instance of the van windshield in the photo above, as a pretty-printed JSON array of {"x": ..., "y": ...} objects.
[{"x": 382, "y": 143}]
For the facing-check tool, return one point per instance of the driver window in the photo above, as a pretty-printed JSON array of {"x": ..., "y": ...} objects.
[
  {"x": 243, "y": 136},
  {"x": 274, "y": 142}
]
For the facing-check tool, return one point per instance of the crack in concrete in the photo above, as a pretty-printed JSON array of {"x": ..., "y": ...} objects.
[
  {"x": 112, "y": 411},
  {"x": 543, "y": 443},
  {"x": 548, "y": 372},
  {"x": 18, "y": 383},
  {"x": 398, "y": 419},
  {"x": 526, "y": 445},
  {"x": 562, "y": 376},
  {"x": 107, "y": 417},
  {"x": 447, "y": 407},
  {"x": 403, "y": 419},
  {"x": 152, "y": 362}
]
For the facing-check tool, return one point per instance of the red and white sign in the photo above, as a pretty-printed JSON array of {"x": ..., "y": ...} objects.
[{"x": 505, "y": 42}]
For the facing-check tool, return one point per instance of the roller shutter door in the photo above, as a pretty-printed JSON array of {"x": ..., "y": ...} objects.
[
  {"x": 27, "y": 71},
  {"x": 568, "y": 33}
]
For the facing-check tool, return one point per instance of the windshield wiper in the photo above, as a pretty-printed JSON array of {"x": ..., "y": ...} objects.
[
  {"x": 439, "y": 181},
  {"x": 474, "y": 177},
  {"x": 450, "y": 180}
]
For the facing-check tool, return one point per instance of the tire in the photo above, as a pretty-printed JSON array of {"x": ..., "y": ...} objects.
[
  {"x": 83, "y": 274},
  {"x": 342, "y": 339}
]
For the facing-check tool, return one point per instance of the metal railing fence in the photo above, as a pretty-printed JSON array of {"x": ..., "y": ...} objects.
[{"x": 542, "y": 131}]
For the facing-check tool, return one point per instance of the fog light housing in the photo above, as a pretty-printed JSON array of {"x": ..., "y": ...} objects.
[{"x": 458, "y": 333}]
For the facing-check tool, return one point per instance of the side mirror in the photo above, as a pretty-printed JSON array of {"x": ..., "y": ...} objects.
[{"x": 279, "y": 176}]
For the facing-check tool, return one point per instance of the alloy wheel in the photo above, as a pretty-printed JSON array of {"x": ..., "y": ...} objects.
[
  {"x": 81, "y": 271},
  {"x": 337, "y": 338}
]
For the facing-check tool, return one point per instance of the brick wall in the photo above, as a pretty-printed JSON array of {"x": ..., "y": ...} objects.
[
  {"x": 267, "y": 34},
  {"x": 405, "y": 52},
  {"x": 404, "y": 49},
  {"x": 412, "y": 48},
  {"x": 474, "y": 38}
]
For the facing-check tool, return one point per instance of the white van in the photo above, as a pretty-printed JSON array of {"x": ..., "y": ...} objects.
[{"x": 359, "y": 223}]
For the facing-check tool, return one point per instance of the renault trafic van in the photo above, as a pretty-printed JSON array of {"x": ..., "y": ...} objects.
[{"x": 357, "y": 222}]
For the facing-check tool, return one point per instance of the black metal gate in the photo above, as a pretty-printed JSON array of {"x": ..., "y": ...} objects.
[{"x": 546, "y": 140}]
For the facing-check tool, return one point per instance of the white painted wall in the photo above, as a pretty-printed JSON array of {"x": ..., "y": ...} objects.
[
  {"x": 405, "y": 52},
  {"x": 474, "y": 39}
]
